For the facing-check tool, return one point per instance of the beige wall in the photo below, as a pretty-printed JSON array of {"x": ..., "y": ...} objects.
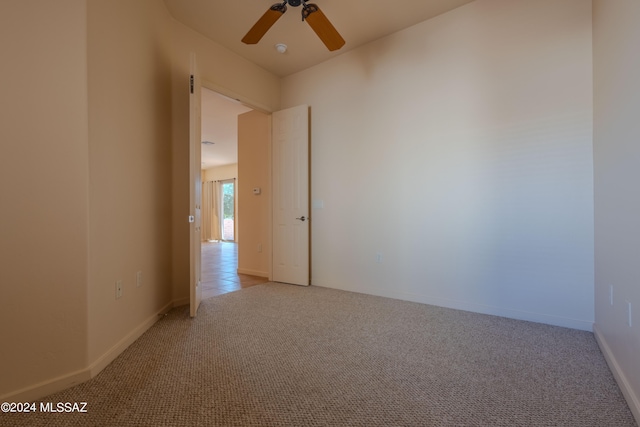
[
  {"x": 254, "y": 211},
  {"x": 617, "y": 201},
  {"x": 227, "y": 73},
  {"x": 129, "y": 163},
  {"x": 469, "y": 133},
  {"x": 105, "y": 81},
  {"x": 44, "y": 215},
  {"x": 460, "y": 150}
]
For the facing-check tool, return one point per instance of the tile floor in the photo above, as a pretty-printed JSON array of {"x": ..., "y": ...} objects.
[{"x": 219, "y": 270}]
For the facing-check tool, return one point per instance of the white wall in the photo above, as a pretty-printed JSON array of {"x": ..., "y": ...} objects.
[
  {"x": 460, "y": 150},
  {"x": 617, "y": 201}
]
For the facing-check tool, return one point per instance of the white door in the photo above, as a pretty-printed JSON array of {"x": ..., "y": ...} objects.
[
  {"x": 195, "y": 187},
  {"x": 291, "y": 228}
]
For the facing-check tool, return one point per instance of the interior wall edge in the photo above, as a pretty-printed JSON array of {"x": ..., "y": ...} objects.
[
  {"x": 40, "y": 390},
  {"x": 116, "y": 350},
  {"x": 623, "y": 382}
]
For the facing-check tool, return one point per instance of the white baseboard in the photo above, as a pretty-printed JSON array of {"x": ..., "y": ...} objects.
[
  {"x": 547, "y": 319},
  {"x": 583, "y": 325},
  {"x": 253, "y": 272},
  {"x": 45, "y": 388},
  {"x": 99, "y": 364},
  {"x": 632, "y": 399}
]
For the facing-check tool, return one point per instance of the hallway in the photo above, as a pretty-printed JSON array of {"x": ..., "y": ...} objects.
[{"x": 219, "y": 270}]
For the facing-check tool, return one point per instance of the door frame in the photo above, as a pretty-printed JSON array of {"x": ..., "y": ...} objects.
[
  {"x": 263, "y": 109},
  {"x": 266, "y": 110},
  {"x": 195, "y": 188},
  {"x": 235, "y": 208}
]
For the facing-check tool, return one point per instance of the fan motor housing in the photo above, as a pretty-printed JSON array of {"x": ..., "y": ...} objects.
[{"x": 310, "y": 13}]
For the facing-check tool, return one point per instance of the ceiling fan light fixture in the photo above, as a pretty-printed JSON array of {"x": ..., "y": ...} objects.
[
  {"x": 281, "y": 47},
  {"x": 310, "y": 13}
]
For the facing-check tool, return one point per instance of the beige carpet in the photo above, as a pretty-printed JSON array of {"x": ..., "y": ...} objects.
[{"x": 280, "y": 355}]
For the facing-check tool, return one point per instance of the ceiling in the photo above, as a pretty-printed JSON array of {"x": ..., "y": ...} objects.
[
  {"x": 227, "y": 21},
  {"x": 358, "y": 21}
]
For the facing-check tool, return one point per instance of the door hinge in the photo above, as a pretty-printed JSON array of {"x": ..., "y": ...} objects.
[{"x": 191, "y": 83}]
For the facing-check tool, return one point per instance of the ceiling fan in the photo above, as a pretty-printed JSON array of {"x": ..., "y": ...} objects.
[{"x": 310, "y": 12}]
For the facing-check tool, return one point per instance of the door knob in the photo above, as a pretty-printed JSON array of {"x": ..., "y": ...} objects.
[{"x": 302, "y": 218}]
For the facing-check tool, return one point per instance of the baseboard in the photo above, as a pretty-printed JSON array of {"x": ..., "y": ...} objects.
[
  {"x": 181, "y": 301},
  {"x": 45, "y": 388},
  {"x": 583, "y": 325},
  {"x": 253, "y": 272},
  {"x": 103, "y": 361},
  {"x": 565, "y": 322},
  {"x": 632, "y": 399}
]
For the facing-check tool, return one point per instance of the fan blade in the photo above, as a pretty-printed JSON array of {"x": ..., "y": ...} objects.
[
  {"x": 267, "y": 20},
  {"x": 322, "y": 27}
]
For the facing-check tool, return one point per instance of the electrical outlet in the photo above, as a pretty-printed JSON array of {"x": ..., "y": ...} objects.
[
  {"x": 629, "y": 316},
  {"x": 139, "y": 279},
  {"x": 118, "y": 288}
]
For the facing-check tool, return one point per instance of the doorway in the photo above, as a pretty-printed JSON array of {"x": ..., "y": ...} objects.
[
  {"x": 228, "y": 204},
  {"x": 244, "y": 203},
  {"x": 221, "y": 222}
]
